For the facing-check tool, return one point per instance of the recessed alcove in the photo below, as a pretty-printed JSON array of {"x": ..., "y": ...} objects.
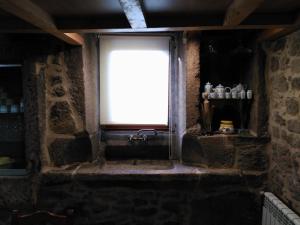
[
  {"x": 12, "y": 129},
  {"x": 226, "y": 58},
  {"x": 230, "y": 58}
]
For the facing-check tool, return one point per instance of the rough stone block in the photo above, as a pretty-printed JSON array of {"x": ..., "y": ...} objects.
[
  {"x": 77, "y": 98},
  {"x": 275, "y": 132},
  {"x": 15, "y": 193},
  {"x": 274, "y": 64},
  {"x": 279, "y": 119},
  {"x": 294, "y": 141},
  {"x": 296, "y": 83},
  {"x": 252, "y": 157},
  {"x": 65, "y": 151},
  {"x": 55, "y": 79},
  {"x": 280, "y": 83},
  {"x": 294, "y": 126},
  {"x": 294, "y": 49},
  {"x": 61, "y": 120},
  {"x": 283, "y": 159},
  {"x": 284, "y": 63},
  {"x": 191, "y": 150},
  {"x": 58, "y": 91},
  {"x": 292, "y": 106},
  {"x": 276, "y": 181},
  {"x": 283, "y": 135},
  {"x": 74, "y": 63},
  {"x": 295, "y": 66},
  {"x": 296, "y": 164},
  {"x": 213, "y": 152}
]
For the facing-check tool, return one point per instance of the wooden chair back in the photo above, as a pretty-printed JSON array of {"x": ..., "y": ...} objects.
[{"x": 41, "y": 218}]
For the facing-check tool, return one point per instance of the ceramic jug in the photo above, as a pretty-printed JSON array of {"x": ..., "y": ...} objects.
[
  {"x": 220, "y": 90},
  {"x": 208, "y": 87},
  {"x": 234, "y": 93},
  {"x": 239, "y": 87}
]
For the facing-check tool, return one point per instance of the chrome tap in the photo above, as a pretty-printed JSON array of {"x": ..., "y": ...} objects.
[
  {"x": 139, "y": 136},
  {"x": 147, "y": 130}
]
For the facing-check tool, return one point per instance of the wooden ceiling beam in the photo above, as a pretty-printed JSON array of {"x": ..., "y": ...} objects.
[
  {"x": 239, "y": 10},
  {"x": 150, "y": 29},
  {"x": 33, "y": 14},
  {"x": 175, "y": 29},
  {"x": 275, "y": 33},
  {"x": 134, "y": 13}
]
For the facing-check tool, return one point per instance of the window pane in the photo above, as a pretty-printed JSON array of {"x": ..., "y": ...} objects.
[{"x": 134, "y": 80}]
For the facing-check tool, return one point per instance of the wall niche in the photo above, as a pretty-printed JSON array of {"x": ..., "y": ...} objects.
[
  {"x": 12, "y": 145},
  {"x": 230, "y": 58},
  {"x": 226, "y": 59}
]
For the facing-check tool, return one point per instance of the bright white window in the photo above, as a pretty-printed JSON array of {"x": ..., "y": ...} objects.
[{"x": 134, "y": 76}]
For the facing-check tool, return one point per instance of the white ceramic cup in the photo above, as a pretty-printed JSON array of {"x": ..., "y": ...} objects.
[
  {"x": 249, "y": 94},
  {"x": 243, "y": 94},
  {"x": 234, "y": 94}
]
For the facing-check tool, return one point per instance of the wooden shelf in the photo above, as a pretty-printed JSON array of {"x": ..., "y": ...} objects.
[
  {"x": 12, "y": 114},
  {"x": 14, "y": 172}
]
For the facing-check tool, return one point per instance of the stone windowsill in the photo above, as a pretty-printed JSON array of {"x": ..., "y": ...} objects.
[
  {"x": 14, "y": 173},
  {"x": 124, "y": 171}
]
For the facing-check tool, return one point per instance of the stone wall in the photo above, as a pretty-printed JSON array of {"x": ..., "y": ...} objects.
[
  {"x": 58, "y": 102},
  {"x": 283, "y": 74},
  {"x": 192, "y": 67},
  {"x": 66, "y": 138}
]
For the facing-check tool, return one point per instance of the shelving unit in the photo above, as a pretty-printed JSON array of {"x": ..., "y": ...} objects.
[{"x": 12, "y": 128}]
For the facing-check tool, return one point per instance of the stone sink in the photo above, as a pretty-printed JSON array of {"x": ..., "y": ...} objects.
[{"x": 141, "y": 164}]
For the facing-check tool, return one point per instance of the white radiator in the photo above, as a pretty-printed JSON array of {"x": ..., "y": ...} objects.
[{"x": 277, "y": 213}]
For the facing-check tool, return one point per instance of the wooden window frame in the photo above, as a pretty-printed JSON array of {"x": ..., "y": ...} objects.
[{"x": 134, "y": 127}]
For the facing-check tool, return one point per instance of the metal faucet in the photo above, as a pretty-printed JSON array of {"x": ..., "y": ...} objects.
[
  {"x": 139, "y": 136},
  {"x": 147, "y": 130}
]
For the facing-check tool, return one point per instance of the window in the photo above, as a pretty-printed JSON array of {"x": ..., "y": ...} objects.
[{"x": 134, "y": 80}]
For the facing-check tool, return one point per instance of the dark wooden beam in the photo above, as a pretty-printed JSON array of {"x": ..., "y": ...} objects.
[
  {"x": 157, "y": 23},
  {"x": 33, "y": 14},
  {"x": 239, "y": 10},
  {"x": 134, "y": 13},
  {"x": 175, "y": 29},
  {"x": 150, "y": 29},
  {"x": 275, "y": 33},
  {"x": 172, "y": 21}
]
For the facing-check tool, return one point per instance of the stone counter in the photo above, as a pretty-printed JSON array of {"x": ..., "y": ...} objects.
[
  {"x": 132, "y": 192},
  {"x": 122, "y": 193},
  {"x": 160, "y": 171}
]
